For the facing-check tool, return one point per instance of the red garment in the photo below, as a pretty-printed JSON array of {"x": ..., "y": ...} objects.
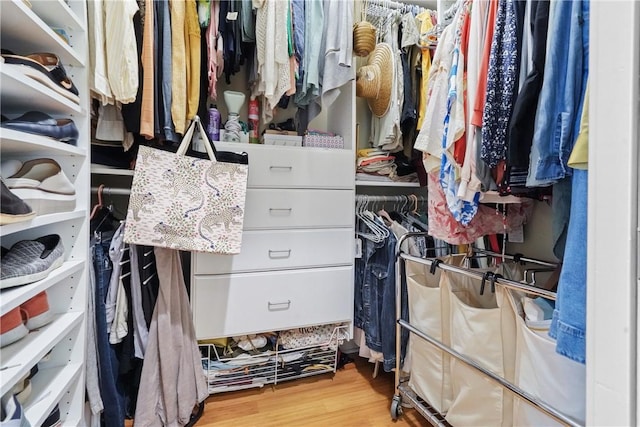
[
  {"x": 478, "y": 108},
  {"x": 460, "y": 145}
]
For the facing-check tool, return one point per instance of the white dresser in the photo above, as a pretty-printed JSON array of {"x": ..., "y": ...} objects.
[{"x": 296, "y": 264}]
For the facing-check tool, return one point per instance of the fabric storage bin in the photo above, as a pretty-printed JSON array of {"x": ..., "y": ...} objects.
[
  {"x": 482, "y": 328},
  {"x": 278, "y": 139},
  {"x": 540, "y": 371},
  {"x": 324, "y": 141},
  {"x": 429, "y": 365}
]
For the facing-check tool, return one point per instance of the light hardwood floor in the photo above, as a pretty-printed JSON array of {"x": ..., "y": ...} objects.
[{"x": 351, "y": 397}]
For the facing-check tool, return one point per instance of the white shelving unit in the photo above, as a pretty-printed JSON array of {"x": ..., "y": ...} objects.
[{"x": 58, "y": 349}]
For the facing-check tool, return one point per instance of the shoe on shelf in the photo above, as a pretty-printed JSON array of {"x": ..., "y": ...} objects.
[
  {"x": 53, "y": 420},
  {"x": 45, "y": 68},
  {"x": 38, "y": 123},
  {"x": 13, "y": 208},
  {"x": 43, "y": 185},
  {"x": 9, "y": 167},
  {"x": 11, "y": 327},
  {"x": 12, "y": 413},
  {"x": 35, "y": 312},
  {"x": 31, "y": 260}
]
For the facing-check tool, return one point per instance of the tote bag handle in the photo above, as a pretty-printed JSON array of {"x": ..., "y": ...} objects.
[{"x": 188, "y": 135}]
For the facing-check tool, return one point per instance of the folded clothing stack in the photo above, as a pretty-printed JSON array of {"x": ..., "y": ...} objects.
[{"x": 374, "y": 164}]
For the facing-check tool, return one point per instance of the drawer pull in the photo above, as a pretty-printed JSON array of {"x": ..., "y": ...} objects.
[
  {"x": 282, "y": 168},
  {"x": 275, "y": 306},
  {"x": 286, "y": 211},
  {"x": 284, "y": 253}
]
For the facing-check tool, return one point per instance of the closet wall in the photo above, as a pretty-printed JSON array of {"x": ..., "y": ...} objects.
[{"x": 57, "y": 349}]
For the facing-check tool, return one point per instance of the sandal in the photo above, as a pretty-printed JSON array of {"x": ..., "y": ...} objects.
[{"x": 47, "y": 69}]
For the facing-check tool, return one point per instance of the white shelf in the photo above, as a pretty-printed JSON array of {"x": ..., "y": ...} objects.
[
  {"x": 386, "y": 184},
  {"x": 49, "y": 386},
  {"x": 57, "y": 13},
  {"x": 106, "y": 170},
  {"x": 19, "y": 357},
  {"x": 14, "y": 142},
  {"x": 16, "y": 17},
  {"x": 39, "y": 221},
  {"x": 21, "y": 93},
  {"x": 13, "y": 297}
]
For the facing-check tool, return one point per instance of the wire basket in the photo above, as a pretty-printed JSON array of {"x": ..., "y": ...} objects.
[{"x": 225, "y": 373}]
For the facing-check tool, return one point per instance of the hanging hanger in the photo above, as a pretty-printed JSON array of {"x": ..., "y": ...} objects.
[{"x": 98, "y": 205}]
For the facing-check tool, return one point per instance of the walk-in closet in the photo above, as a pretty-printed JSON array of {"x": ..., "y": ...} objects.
[{"x": 319, "y": 212}]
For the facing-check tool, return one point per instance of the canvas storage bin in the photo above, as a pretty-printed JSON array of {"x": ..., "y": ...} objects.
[
  {"x": 429, "y": 365},
  {"x": 323, "y": 141},
  {"x": 482, "y": 328},
  {"x": 540, "y": 371}
]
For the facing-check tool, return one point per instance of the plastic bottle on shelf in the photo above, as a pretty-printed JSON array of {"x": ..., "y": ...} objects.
[
  {"x": 254, "y": 121},
  {"x": 213, "y": 129}
]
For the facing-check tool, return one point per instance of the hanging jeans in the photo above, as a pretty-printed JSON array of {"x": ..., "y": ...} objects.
[
  {"x": 112, "y": 393},
  {"x": 570, "y": 316}
]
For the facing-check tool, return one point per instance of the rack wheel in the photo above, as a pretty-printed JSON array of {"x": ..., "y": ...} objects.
[{"x": 396, "y": 408}]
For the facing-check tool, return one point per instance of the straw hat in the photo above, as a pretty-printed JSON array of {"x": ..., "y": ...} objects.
[
  {"x": 364, "y": 38},
  {"x": 375, "y": 80}
]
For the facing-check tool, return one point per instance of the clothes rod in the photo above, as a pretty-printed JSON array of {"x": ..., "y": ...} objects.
[
  {"x": 501, "y": 381},
  {"x": 111, "y": 191},
  {"x": 511, "y": 284},
  {"x": 397, "y": 198},
  {"x": 515, "y": 257},
  {"x": 389, "y": 4}
]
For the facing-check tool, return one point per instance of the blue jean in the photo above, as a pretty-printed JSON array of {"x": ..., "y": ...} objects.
[
  {"x": 111, "y": 392},
  {"x": 163, "y": 20},
  {"x": 570, "y": 315},
  {"x": 565, "y": 75}
]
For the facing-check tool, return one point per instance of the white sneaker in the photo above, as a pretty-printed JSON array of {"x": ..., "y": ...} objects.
[{"x": 42, "y": 184}]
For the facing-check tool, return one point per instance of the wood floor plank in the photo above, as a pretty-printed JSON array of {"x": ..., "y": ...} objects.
[{"x": 351, "y": 397}]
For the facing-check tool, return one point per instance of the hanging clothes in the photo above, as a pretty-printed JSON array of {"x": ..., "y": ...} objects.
[
  {"x": 172, "y": 382},
  {"x": 502, "y": 78},
  {"x": 178, "y": 66},
  {"x": 272, "y": 53},
  {"x": 121, "y": 50},
  {"x": 98, "y": 76}
]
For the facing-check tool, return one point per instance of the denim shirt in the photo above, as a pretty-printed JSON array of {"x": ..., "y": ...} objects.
[{"x": 565, "y": 75}]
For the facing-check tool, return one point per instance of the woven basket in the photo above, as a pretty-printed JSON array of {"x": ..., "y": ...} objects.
[{"x": 364, "y": 38}]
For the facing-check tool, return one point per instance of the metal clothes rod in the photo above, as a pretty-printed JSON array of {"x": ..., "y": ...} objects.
[
  {"x": 501, "y": 381},
  {"x": 479, "y": 275},
  {"x": 112, "y": 191},
  {"x": 397, "y": 198},
  {"x": 513, "y": 257},
  {"x": 390, "y": 4}
]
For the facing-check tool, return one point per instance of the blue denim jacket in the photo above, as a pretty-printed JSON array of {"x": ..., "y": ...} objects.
[
  {"x": 565, "y": 75},
  {"x": 374, "y": 298}
]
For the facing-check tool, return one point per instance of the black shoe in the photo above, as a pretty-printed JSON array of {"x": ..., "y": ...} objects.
[{"x": 12, "y": 208}]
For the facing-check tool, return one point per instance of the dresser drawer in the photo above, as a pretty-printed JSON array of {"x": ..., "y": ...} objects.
[
  {"x": 287, "y": 249},
  {"x": 238, "y": 304},
  {"x": 276, "y": 209},
  {"x": 272, "y": 166}
]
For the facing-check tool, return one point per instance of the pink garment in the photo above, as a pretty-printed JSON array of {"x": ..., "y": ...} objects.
[
  {"x": 443, "y": 226},
  {"x": 212, "y": 54}
]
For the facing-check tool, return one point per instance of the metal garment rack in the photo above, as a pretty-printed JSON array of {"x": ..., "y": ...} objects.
[{"x": 404, "y": 391}]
